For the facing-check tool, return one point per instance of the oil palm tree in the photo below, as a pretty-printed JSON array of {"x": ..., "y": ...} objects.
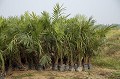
[{"x": 32, "y": 40}]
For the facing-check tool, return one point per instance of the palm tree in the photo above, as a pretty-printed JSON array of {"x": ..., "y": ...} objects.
[
  {"x": 31, "y": 40},
  {"x": 58, "y": 24}
]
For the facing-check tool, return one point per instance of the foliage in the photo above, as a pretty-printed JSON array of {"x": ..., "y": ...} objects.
[
  {"x": 45, "y": 60},
  {"x": 39, "y": 39}
]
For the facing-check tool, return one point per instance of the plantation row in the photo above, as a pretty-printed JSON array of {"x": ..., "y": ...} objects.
[{"x": 42, "y": 41}]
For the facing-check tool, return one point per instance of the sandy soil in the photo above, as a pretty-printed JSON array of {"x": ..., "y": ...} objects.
[{"x": 96, "y": 73}]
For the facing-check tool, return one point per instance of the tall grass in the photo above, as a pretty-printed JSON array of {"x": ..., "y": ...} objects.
[
  {"x": 110, "y": 56},
  {"x": 107, "y": 62}
]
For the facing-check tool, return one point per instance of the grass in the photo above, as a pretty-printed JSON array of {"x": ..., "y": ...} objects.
[
  {"x": 22, "y": 76},
  {"x": 113, "y": 32},
  {"x": 65, "y": 78},
  {"x": 107, "y": 62},
  {"x": 115, "y": 75},
  {"x": 110, "y": 55}
]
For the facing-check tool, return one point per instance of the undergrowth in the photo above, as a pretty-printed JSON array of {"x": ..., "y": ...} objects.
[{"x": 107, "y": 62}]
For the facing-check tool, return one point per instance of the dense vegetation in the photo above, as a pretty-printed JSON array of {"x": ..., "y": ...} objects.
[{"x": 40, "y": 41}]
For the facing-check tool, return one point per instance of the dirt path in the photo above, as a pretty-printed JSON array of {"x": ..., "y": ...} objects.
[{"x": 96, "y": 73}]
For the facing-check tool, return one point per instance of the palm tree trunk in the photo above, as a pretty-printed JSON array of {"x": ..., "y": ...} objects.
[
  {"x": 85, "y": 63},
  {"x": 71, "y": 62},
  {"x": 89, "y": 62},
  {"x": 67, "y": 63},
  {"x": 56, "y": 63},
  {"x": 79, "y": 67},
  {"x": 62, "y": 66}
]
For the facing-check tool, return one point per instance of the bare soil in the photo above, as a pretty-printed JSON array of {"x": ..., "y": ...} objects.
[{"x": 95, "y": 73}]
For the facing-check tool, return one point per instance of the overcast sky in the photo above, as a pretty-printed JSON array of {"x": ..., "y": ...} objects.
[{"x": 103, "y": 11}]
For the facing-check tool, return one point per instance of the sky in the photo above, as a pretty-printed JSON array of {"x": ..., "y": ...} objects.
[{"x": 103, "y": 11}]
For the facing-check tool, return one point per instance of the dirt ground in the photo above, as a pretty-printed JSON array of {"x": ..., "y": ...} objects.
[{"x": 96, "y": 73}]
